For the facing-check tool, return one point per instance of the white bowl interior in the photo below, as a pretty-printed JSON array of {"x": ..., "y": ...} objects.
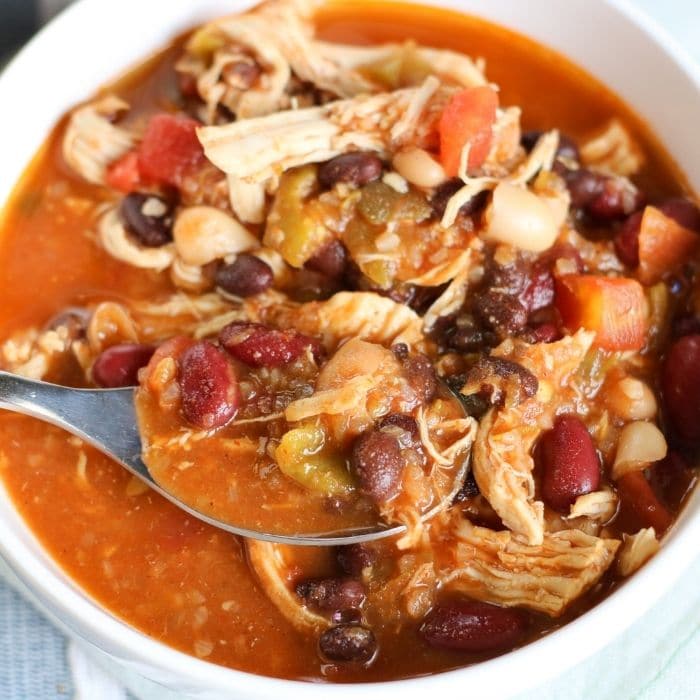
[{"x": 637, "y": 60}]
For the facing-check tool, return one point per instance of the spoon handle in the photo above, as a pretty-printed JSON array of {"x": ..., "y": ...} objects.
[{"x": 104, "y": 418}]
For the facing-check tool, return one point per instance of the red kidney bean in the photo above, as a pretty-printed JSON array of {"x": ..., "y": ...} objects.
[
  {"x": 473, "y": 626},
  {"x": 539, "y": 290},
  {"x": 119, "y": 365},
  {"x": 332, "y": 594},
  {"x": 570, "y": 466},
  {"x": 567, "y": 148},
  {"x": 355, "y": 558},
  {"x": 420, "y": 374},
  {"x": 148, "y": 217},
  {"x": 330, "y": 260},
  {"x": 627, "y": 240},
  {"x": 246, "y": 276},
  {"x": 208, "y": 386},
  {"x": 637, "y": 493},
  {"x": 260, "y": 346},
  {"x": 348, "y": 643},
  {"x": 617, "y": 200},
  {"x": 542, "y": 333},
  {"x": 378, "y": 464},
  {"x": 680, "y": 385},
  {"x": 584, "y": 186},
  {"x": 683, "y": 212},
  {"x": 356, "y": 169}
]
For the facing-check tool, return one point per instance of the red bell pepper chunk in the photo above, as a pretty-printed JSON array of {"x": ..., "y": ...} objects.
[
  {"x": 663, "y": 245},
  {"x": 170, "y": 149},
  {"x": 615, "y": 308},
  {"x": 468, "y": 118}
]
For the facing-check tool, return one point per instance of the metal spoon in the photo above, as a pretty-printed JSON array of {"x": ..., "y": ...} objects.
[{"x": 105, "y": 418}]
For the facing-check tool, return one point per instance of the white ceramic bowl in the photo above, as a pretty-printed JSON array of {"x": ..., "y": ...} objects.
[{"x": 96, "y": 40}]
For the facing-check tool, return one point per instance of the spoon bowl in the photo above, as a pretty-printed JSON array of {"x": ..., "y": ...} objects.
[{"x": 106, "y": 419}]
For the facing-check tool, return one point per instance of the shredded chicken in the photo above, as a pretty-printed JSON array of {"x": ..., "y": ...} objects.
[
  {"x": 498, "y": 568},
  {"x": 31, "y": 353},
  {"x": 269, "y": 562},
  {"x": 636, "y": 550},
  {"x": 91, "y": 142},
  {"x": 257, "y": 149},
  {"x": 502, "y": 461},
  {"x": 598, "y": 505},
  {"x": 364, "y": 315},
  {"x": 613, "y": 151}
]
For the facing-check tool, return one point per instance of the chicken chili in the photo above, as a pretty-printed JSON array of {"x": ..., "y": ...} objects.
[{"x": 357, "y": 276}]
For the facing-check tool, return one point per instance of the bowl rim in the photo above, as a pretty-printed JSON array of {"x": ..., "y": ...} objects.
[{"x": 104, "y": 630}]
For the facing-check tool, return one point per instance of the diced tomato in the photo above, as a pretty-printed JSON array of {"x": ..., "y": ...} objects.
[
  {"x": 637, "y": 493},
  {"x": 663, "y": 245},
  {"x": 170, "y": 149},
  {"x": 468, "y": 118},
  {"x": 615, "y": 308},
  {"x": 124, "y": 174}
]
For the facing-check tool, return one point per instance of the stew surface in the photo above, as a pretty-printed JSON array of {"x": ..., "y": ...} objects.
[{"x": 356, "y": 282}]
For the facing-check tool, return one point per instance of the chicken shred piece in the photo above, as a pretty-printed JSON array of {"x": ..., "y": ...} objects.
[
  {"x": 497, "y": 567},
  {"x": 269, "y": 562},
  {"x": 614, "y": 151},
  {"x": 247, "y": 200},
  {"x": 364, "y": 315},
  {"x": 598, "y": 505},
  {"x": 257, "y": 149},
  {"x": 636, "y": 550},
  {"x": 502, "y": 462},
  {"x": 91, "y": 142}
]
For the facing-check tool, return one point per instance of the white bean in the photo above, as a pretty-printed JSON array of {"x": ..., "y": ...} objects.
[
  {"x": 520, "y": 218},
  {"x": 419, "y": 168},
  {"x": 640, "y": 444},
  {"x": 631, "y": 399}
]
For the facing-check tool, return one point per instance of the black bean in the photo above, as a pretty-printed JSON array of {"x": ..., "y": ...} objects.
[
  {"x": 348, "y": 643},
  {"x": 355, "y": 558},
  {"x": 444, "y": 192},
  {"x": 471, "y": 339},
  {"x": 332, "y": 594},
  {"x": 330, "y": 260},
  {"x": 357, "y": 169},
  {"x": 468, "y": 490},
  {"x": 500, "y": 312},
  {"x": 148, "y": 218},
  {"x": 245, "y": 276},
  {"x": 378, "y": 464},
  {"x": 404, "y": 422},
  {"x": 567, "y": 147},
  {"x": 475, "y": 405},
  {"x": 421, "y": 376},
  {"x": 74, "y": 319}
]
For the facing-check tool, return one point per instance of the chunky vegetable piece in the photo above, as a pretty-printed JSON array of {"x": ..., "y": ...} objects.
[
  {"x": 468, "y": 120},
  {"x": 614, "y": 308}
]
